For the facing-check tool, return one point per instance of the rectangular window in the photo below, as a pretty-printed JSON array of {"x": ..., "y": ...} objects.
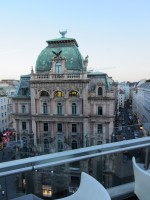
[
  {"x": 2, "y": 115},
  {"x": 74, "y": 128},
  {"x": 45, "y": 126},
  {"x": 74, "y": 109},
  {"x": 99, "y": 128},
  {"x": 45, "y": 111},
  {"x": 23, "y": 109},
  {"x": 99, "y": 110},
  {"x": 24, "y": 91},
  {"x": 24, "y": 126},
  {"x": 1, "y": 107},
  {"x": 60, "y": 146},
  {"x": 58, "y": 68},
  {"x": 59, "y": 128},
  {"x": 59, "y": 109}
]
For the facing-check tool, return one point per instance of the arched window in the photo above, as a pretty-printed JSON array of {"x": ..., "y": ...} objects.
[
  {"x": 45, "y": 110},
  {"x": 59, "y": 108},
  {"x": 46, "y": 146},
  {"x": 100, "y": 91},
  {"x": 59, "y": 94},
  {"x": 74, "y": 109},
  {"x": 44, "y": 94},
  {"x": 74, "y": 144},
  {"x": 100, "y": 110},
  {"x": 58, "y": 68},
  {"x": 73, "y": 93},
  {"x": 60, "y": 145}
]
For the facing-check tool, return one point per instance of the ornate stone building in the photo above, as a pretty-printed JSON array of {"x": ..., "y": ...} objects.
[{"x": 61, "y": 105}]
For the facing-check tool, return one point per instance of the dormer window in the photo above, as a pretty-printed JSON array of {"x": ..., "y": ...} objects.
[
  {"x": 58, "y": 68},
  {"x": 100, "y": 91},
  {"x": 24, "y": 91}
]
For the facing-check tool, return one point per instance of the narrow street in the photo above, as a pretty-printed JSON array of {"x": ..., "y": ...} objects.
[{"x": 126, "y": 125}]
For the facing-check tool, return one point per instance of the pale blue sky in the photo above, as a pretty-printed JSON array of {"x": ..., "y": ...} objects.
[{"x": 114, "y": 33}]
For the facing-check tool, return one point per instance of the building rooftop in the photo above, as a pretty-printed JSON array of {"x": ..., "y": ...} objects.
[{"x": 67, "y": 48}]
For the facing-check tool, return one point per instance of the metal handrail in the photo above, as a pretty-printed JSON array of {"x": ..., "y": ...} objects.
[{"x": 54, "y": 159}]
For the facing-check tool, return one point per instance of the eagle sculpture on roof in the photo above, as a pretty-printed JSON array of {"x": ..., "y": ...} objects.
[{"x": 57, "y": 54}]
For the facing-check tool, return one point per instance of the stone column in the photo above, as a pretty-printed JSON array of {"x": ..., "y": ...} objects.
[
  {"x": 66, "y": 104},
  {"x": 33, "y": 110},
  {"x": 85, "y": 131},
  {"x": 106, "y": 135},
  {"x": 34, "y": 132},
  {"x": 52, "y": 105},
  {"x": 85, "y": 100}
]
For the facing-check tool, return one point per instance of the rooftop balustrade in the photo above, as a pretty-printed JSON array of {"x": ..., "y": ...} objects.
[{"x": 48, "y": 76}]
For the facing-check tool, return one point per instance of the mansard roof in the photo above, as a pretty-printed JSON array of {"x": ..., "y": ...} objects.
[{"x": 23, "y": 89}]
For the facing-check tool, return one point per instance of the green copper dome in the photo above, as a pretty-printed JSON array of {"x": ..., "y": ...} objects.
[{"x": 69, "y": 51}]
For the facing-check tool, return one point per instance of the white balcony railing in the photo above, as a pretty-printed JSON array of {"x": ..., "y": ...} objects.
[{"x": 58, "y": 76}]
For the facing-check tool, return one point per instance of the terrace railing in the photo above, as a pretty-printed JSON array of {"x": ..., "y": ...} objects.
[{"x": 111, "y": 164}]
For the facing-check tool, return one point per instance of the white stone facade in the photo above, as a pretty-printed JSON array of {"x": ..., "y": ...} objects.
[
  {"x": 55, "y": 111},
  {"x": 85, "y": 118}
]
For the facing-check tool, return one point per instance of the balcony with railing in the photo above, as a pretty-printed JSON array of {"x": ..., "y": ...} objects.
[
  {"x": 57, "y": 175},
  {"x": 108, "y": 95},
  {"x": 48, "y": 76}
]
